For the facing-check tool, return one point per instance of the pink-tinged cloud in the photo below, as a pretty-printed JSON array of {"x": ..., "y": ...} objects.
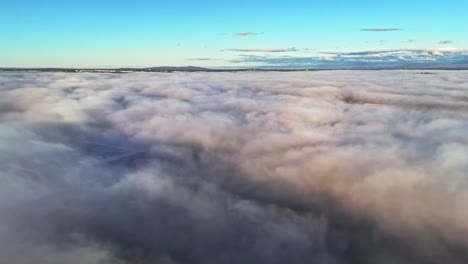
[{"x": 265, "y": 167}]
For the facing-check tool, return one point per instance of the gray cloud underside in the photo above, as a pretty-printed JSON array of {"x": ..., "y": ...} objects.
[
  {"x": 322, "y": 167},
  {"x": 446, "y": 42}
]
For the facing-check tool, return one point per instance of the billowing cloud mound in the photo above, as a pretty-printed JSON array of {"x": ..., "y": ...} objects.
[{"x": 311, "y": 167}]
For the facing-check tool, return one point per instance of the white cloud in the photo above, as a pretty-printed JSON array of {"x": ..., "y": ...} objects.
[
  {"x": 437, "y": 50},
  {"x": 258, "y": 167},
  {"x": 444, "y": 57},
  {"x": 245, "y": 33}
]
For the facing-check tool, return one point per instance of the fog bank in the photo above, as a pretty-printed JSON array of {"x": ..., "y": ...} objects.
[{"x": 300, "y": 167}]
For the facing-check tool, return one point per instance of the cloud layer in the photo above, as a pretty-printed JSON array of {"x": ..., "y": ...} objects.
[
  {"x": 444, "y": 57},
  {"x": 306, "y": 167}
]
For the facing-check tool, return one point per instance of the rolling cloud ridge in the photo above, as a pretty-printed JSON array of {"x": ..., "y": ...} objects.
[{"x": 321, "y": 167}]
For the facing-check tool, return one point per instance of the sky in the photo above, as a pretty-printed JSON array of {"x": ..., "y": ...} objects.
[{"x": 208, "y": 33}]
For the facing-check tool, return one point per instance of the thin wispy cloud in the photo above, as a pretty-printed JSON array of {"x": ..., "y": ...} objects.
[
  {"x": 381, "y": 29},
  {"x": 445, "y": 42},
  {"x": 292, "y": 49},
  {"x": 201, "y": 59},
  {"x": 245, "y": 33}
]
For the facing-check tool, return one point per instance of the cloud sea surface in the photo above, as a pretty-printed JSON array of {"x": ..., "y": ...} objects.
[{"x": 302, "y": 167}]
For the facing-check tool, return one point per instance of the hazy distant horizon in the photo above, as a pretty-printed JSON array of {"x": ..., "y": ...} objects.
[{"x": 260, "y": 68}]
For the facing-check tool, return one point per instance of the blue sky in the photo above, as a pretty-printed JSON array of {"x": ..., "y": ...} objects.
[{"x": 293, "y": 33}]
